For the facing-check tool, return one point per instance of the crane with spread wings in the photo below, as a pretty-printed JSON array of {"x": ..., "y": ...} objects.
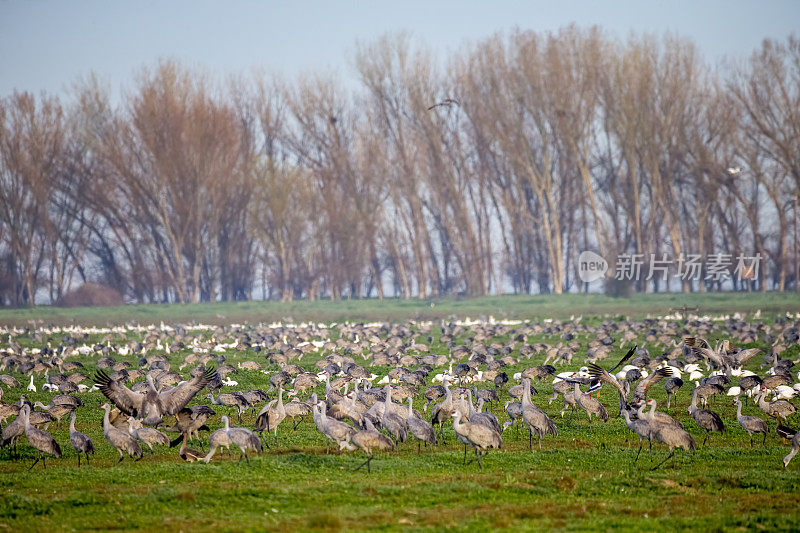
[{"x": 153, "y": 405}]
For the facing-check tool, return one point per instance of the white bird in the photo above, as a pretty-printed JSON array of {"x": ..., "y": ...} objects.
[
  {"x": 736, "y": 390},
  {"x": 784, "y": 392},
  {"x": 229, "y": 382},
  {"x": 31, "y": 386},
  {"x": 732, "y": 171}
]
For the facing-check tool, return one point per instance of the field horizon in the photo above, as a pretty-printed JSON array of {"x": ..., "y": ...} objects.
[{"x": 508, "y": 306}]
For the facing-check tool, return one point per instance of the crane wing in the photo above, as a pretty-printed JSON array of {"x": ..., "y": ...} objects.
[
  {"x": 175, "y": 399},
  {"x": 627, "y": 356},
  {"x": 597, "y": 372},
  {"x": 640, "y": 393},
  {"x": 745, "y": 355},
  {"x": 126, "y": 400}
]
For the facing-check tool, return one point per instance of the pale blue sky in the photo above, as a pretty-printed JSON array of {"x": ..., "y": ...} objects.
[{"x": 47, "y": 44}]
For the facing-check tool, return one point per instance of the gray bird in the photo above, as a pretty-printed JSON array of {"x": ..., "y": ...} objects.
[
  {"x": 41, "y": 440},
  {"x": 708, "y": 420},
  {"x": 119, "y": 439},
  {"x": 369, "y": 439},
  {"x": 419, "y": 428},
  {"x": 81, "y": 442},
  {"x": 481, "y": 437},
  {"x": 751, "y": 424},
  {"x": 153, "y": 405}
]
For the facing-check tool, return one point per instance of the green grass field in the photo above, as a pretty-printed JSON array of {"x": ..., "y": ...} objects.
[
  {"x": 511, "y": 307},
  {"x": 583, "y": 479}
]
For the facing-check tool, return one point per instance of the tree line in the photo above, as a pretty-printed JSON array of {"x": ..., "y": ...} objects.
[{"x": 487, "y": 171}]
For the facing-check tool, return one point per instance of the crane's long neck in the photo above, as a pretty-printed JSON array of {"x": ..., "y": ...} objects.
[
  {"x": 652, "y": 414},
  {"x": 27, "y": 416},
  {"x": 693, "y": 407},
  {"x": 738, "y": 409},
  {"x": 469, "y": 403},
  {"x": 457, "y": 424},
  {"x": 410, "y": 408},
  {"x": 72, "y": 423},
  {"x": 106, "y": 421},
  {"x": 280, "y": 398},
  {"x": 795, "y": 449}
]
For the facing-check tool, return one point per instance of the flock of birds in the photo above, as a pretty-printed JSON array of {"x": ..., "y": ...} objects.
[{"x": 148, "y": 397}]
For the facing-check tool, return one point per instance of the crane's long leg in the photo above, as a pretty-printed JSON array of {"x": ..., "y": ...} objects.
[
  {"x": 705, "y": 439},
  {"x": 640, "y": 450},
  {"x": 671, "y": 454},
  {"x": 765, "y": 439},
  {"x": 369, "y": 458},
  {"x": 34, "y": 463}
]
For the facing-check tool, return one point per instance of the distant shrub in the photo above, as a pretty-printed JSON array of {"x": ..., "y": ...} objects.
[
  {"x": 91, "y": 294},
  {"x": 618, "y": 288}
]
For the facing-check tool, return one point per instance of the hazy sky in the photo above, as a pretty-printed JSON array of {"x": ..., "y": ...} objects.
[{"x": 47, "y": 44}]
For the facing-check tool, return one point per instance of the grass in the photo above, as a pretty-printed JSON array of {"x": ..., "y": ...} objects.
[
  {"x": 583, "y": 479},
  {"x": 501, "y": 307}
]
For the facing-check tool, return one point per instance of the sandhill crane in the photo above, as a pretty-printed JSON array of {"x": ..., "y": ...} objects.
[
  {"x": 780, "y": 409},
  {"x": 441, "y": 411},
  {"x": 514, "y": 412},
  {"x": 335, "y": 430},
  {"x": 654, "y": 416},
  {"x": 535, "y": 418},
  {"x": 481, "y": 437},
  {"x": 640, "y": 426},
  {"x": 81, "y": 442},
  {"x": 12, "y": 432},
  {"x": 188, "y": 454},
  {"x": 271, "y": 415},
  {"x": 795, "y": 449},
  {"x": 672, "y": 436},
  {"x": 393, "y": 423},
  {"x": 672, "y": 385},
  {"x": 218, "y": 439},
  {"x": 118, "y": 438},
  {"x": 708, "y": 420},
  {"x": 368, "y": 439},
  {"x": 419, "y": 428},
  {"x": 591, "y": 405},
  {"x": 487, "y": 395},
  {"x": 152, "y": 406},
  {"x": 41, "y": 440},
  {"x": 57, "y": 411},
  {"x": 7, "y": 410},
  {"x": 145, "y": 435},
  {"x": 461, "y": 371},
  {"x": 487, "y": 419},
  {"x": 560, "y": 386},
  {"x": 245, "y": 439},
  {"x": 751, "y": 424},
  {"x": 230, "y": 399},
  {"x": 191, "y": 420},
  {"x": 296, "y": 409}
]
